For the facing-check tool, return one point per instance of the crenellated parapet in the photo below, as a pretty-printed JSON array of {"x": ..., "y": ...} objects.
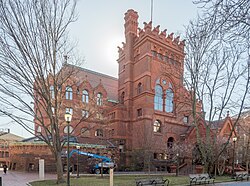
[
  {"x": 163, "y": 43},
  {"x": 160, "y": 36},
  {"x": 121, "y": 49}
]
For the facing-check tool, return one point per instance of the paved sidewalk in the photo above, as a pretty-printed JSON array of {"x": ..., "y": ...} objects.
[
  {"x": 13, "y": 178},
  {"x": 244, "y": 183}
]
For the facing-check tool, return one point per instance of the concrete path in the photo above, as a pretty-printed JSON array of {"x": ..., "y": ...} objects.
[{"x": 13, "y": 178}]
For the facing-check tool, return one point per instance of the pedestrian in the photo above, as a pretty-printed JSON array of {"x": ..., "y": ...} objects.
[{"x": 5, "y": 169}]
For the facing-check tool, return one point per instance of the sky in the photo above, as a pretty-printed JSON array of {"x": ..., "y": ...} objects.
[{"x": 100, "y": 29}]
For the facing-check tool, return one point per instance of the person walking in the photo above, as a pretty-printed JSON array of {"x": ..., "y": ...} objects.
[{"x": 5, "y": 169}]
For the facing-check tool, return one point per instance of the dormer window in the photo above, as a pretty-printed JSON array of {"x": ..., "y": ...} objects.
[
  {"x": 99, "y": 99},
  {"x": 69, "y": 93},
  {"x": 85, "y": 96}
]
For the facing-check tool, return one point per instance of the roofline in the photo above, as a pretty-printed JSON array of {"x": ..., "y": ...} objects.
[{"x": 94, "y": 72}]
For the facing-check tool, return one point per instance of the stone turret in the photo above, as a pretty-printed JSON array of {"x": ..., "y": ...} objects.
[
  {"x": 131, "y": 23},
  {"x": 131, "y": 26}
]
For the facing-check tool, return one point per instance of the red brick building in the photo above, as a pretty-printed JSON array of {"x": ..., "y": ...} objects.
[
  {"x": 6, "y": 139},
  {"x": 146, "y": 109}
]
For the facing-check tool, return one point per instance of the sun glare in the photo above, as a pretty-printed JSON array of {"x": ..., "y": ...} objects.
[{"x": 111, "y": 50}]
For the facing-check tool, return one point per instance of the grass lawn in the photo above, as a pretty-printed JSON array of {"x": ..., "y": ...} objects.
[{"x": 120, "y": 180}]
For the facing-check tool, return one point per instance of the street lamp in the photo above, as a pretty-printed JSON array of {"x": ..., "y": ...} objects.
[
  {"x": 68, "y": 118},
  {"x": 177, "y": 167},
  {"x": 234, "y": 140},
  {"x": 78, "y": 148}
]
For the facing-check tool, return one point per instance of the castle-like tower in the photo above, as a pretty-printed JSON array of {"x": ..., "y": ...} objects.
[{"x": 153, "y": 111}]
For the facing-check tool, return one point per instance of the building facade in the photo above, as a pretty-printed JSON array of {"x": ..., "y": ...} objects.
[{"x": 144, "y": 111}]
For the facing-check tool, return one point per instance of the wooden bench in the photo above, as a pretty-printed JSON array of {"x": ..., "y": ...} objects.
[
  {"x": 198, "y": 179},
  {"x": 242, "y": 175},
  {"x": 158, "y": 181}
]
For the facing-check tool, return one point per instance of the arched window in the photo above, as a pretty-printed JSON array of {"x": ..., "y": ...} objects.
[
  {"x": 69, "y": 93},
  {"x": 122, "y": 97},
  {"x": 158, "y": 99},
  {"x": 139, "y": 88},
  {"x": 65, "y": 130},
  {"x": 85, "y": 96},
  {"x": 99, "y": 99},
  {"x": 169, "y": 104},
  {"x": 157, "y": 126},
  {"x": 52, "y": 92}
]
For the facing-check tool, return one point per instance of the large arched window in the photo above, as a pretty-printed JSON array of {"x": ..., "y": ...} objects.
[
  {"x": 99, "y": 99},
  {"x": 69, "y": 93},
  {"x": 158, "y": 99},
  {"x": 157, "y": 126},
  {"x": 52, "y": 92},
  {"x": 169, "y": 104},
  {"x": 85, "y": 96}
]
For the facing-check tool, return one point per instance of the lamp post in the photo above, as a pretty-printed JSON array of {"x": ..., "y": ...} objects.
[
  {"x": 234, "y": 140},
  {"x": 78, "y": 148},
  {"x": 177, "y": 167},
  {"x": 68, "y": 118}
]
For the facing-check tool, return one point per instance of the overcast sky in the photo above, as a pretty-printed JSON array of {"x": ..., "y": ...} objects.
[{"x": 100, "y": 29}]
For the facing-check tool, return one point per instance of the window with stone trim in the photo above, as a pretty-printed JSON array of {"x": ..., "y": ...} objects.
[
  {"x": 52, "y": 92},
  {"x": 139, "y": 88},
  {"x": 158, "y": 99},
  {"x": 85, "y": 113},
  {"x": 69, "y": 93},
  {"x": 85, "y": 96},
  {"x": 157, "y": 126},
  {"x": 185, "y": 119},
  {"x": 169, "y": 101},
  {"x": 99, "y": 99}
]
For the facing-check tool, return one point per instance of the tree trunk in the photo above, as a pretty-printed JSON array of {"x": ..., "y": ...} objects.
[{"x": 59, "y": 168}]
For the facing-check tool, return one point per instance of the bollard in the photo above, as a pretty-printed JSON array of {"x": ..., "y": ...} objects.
[{"x": 1, "y": 183}]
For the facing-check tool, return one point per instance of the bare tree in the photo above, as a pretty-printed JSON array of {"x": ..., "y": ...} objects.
[
  {"x": 216, "y": 66},
  {"x": 33, "y": 42}
]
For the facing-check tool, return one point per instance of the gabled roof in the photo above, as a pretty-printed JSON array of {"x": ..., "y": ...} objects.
[
  {"x": 218, "y": 124},
  {"x": 109, "y": 83},
  {"x": 9, "y": 137},
  {"x": 243, "y": 115}
]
